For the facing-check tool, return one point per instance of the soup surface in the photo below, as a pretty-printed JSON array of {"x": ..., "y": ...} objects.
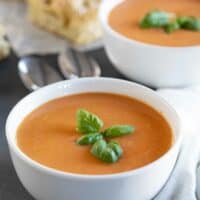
[
  {"x": 125, "y": 18},
  {"x": 48, "y": 134}
]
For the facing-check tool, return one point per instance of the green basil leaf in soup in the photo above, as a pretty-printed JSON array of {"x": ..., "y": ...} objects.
[
  {"x": 89, "y": 138},
  {"x": 98, "y": 147},
  {"x": 115, "y": 146},
  {"x": 118, "y": 130},
  {"x": 108, "y": 155},
  {"x": 172, "y": 26},
  {"x": 88, "y": 122},
  {"x": 156, "y": 18},
  {"x": 189, "y": 22}
]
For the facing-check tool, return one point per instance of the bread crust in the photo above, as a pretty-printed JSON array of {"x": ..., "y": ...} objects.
[{"x": 75, "y": 20}]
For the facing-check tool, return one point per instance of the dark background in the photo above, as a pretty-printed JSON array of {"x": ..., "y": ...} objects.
[{"x": 11, "y": 91}]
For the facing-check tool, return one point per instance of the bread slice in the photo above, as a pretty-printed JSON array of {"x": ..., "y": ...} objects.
[{"x": 74, "y": 19}]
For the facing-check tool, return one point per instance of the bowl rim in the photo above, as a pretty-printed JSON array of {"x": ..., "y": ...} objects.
[
  {"x": 105, "y": 25},
  {"x": 54, "y": 172}
]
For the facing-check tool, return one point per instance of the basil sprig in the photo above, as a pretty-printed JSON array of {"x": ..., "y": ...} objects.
[
  {"x": 109, "y": 153},
  {"x": 89, "y": 138},
  {"x": 189, "y": 22},
  {"x": 88, "y": 122},
  {"x": 169, "y": 22},
  {"x": 90, "y": 125},
  {"x": 116, "y": 148},
  {"x": 118, "y": 130},
  {"x": 156, "y": 18},
  {"x": 98, "y": 147},
  {"x": 172, "y": 26}
]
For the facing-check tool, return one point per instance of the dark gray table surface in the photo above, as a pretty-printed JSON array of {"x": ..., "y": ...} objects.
[{"x": 11, "y": 91}]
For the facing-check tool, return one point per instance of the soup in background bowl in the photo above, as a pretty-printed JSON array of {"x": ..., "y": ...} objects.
[
  {"x": 132, "y": 12},
  {"x": 150, "y": 55},
  {"x": 49, "y": 177}
]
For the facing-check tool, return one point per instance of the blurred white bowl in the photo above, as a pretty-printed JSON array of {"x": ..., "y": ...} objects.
[{"x": 157, "y": 66}]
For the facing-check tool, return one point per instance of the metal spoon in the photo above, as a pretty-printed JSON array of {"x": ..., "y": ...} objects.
[
  {"x": 75, "y": 64},
  {"x": 36, "y": 73}
]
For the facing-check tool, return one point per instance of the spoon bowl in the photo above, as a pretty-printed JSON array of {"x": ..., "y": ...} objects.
[
  {"x": 36, "y": 73},
  {"x": 74, "y": 64}
]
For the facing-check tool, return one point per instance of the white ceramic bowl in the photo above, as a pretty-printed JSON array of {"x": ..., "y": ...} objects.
[
  {"x": 48, "y": 184},
  {"x": 157, "y": 66}
]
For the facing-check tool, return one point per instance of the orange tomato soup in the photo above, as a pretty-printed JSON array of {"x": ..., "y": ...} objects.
[
  {"x": 125, "y": 19},
  {"x": 48, "y": 134}
]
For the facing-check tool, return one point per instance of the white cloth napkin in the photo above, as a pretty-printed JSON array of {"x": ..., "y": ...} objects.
[{"x": 184, "y": 182}]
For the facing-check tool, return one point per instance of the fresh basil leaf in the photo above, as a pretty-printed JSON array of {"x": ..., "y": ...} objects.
[
  {"x": 88, "y": 122},
  {"x": 118, "y": 130},
  {"x": 89, "y": 139},
  {"x": 103, "y": 152},
  {"x": 156, "y": 18},
  {"x": 189, "y": 22},
  {"x": 172, "y": 26},
  {"x": 108, "y": 155},
  {"x": 98, "y": 147},
  {"x": 115, "y": 146}
]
